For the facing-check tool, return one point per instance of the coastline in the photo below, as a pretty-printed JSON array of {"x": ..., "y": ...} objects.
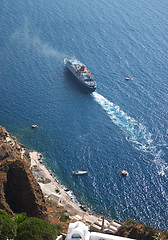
[
  {"x": 58, "y": 201},
  {"x": 55, "y": 194},
  {"x": 53, "y": 190}
]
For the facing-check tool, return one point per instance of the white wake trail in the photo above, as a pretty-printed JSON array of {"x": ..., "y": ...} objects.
[{"x": 135, "y": 132}]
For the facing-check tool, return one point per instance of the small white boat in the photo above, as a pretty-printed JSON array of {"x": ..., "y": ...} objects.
[
  {"x": 34, "y": 126},
  {"x": 124, "y": 173},
  {"x": 79, "y": 172}
]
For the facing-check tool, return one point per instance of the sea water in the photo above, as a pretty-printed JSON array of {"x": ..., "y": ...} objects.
[{"x": 121, "y": 126}]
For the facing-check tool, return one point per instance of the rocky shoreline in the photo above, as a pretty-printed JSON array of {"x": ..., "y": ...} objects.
[
  {"x": 52, "y": 189},
  {"x": 33, "y": 184},
  {"x": 26, "y": 185},
  {"x": 37, "y": 179}
]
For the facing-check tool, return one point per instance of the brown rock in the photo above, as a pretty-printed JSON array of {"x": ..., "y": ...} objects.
[
  {"x": 132, "y": 229},
  {"x": 8, "y": 146},
  {"x": 3, "y": 152},
  {"x": 3, "y": 132},
  {"x": 19, "y": 191}
]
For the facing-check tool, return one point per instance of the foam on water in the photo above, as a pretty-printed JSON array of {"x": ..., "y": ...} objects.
[{"x": 135, "y": 132}]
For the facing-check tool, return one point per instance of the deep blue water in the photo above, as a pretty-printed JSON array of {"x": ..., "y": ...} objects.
[{"x": 124, "y": 125}]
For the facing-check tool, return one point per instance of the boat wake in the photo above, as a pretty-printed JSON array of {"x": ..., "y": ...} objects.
[{"x": 135, "y": 132}]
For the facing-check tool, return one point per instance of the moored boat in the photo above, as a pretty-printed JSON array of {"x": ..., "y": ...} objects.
[
  {"x": 81, "y": 73},
  {"x": 34, "y": 126},
  {"x": 124, "y": 173},
  {"x": 79, "y": 172}
]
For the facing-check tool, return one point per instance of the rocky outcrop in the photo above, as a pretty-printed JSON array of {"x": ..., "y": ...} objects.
[
  {"x": 11, "y": 148},
  {"x": 19, "y": 191},
  {"x": 133, "y": 229}
]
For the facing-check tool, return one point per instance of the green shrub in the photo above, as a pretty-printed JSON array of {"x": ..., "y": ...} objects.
[
  {"x": 2, "y": 212},
  {"x": 8, "y": 226},
  {"x": 64, "y": 217},
  {"x": 148, "y": 230},
  {"x": 59, "y": 227},
  {"x": 19, "y": 218},
  {"x": 166, "y": 234},
  {"x": 158, "y": 237},
  {"x": 131, "y": 222},
  {"x": 36, "y": 229}
]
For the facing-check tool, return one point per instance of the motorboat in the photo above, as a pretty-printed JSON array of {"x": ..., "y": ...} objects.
[
  {"x": 124, "y": 173},
  {"x": 79, "y": 172},
  {"x": 34, "y": 126}
]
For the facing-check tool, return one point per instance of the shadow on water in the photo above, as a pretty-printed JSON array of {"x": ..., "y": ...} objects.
[{"x": 72, "y": 83}]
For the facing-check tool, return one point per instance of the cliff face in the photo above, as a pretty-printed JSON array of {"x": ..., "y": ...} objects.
[
  {"x": 19, "y": 191},
  {"x": 132, "y": 229}
]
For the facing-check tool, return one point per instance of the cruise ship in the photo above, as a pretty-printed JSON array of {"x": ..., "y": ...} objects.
[{"x": 82, "y": 74}]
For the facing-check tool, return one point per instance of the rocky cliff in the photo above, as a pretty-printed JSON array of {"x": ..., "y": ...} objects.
[
  {"x": 19, "y": 191},
  {"x": 133, "y": 229}
]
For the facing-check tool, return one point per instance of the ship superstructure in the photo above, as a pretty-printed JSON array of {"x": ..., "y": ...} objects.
[{"x": 82, "y": 74}]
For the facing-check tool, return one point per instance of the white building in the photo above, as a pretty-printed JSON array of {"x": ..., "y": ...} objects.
[{"x": 79, "y": 231}]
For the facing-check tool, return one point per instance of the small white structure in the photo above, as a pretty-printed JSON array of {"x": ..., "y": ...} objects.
[
  {"x": 55, "y": 197},
  {"x": 59, "y": 237},
  {"x": 79, "y": 231},
  {"x": 105, "y": 226}
]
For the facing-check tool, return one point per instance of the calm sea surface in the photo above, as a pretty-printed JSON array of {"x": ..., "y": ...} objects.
[{"x": 123, "y": 125}]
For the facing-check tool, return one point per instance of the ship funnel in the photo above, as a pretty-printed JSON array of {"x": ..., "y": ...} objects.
[{"x": 82, "y": 68}]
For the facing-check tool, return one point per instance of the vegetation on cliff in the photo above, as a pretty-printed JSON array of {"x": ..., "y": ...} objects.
[
  {"x": 19, "y": 227},
  {"x": 8, "y": 227},
  {"x": 134, "y": 229}
]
